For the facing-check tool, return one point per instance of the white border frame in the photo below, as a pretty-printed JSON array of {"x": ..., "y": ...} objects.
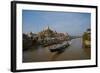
[{"x": 21, "y": 65}]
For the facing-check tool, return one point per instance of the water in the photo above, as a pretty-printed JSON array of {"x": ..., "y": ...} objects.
[{"x": 73, "y": 52}]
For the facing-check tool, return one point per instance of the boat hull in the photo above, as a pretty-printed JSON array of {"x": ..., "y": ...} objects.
[{"x": 59, "y": 48}]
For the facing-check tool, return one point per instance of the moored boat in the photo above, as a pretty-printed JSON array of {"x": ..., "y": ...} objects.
[{"x": 60, "y": 47}]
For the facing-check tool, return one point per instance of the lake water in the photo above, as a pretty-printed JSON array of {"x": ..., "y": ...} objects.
[{"x": 73, "y": 52}]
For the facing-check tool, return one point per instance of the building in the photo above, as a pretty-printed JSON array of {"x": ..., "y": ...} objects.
[
  {"x": 47, "y": 35},
  {"x": 86, "y": 39}
]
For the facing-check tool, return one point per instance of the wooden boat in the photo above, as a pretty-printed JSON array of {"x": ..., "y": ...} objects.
[{"x": 60, "y": 47}]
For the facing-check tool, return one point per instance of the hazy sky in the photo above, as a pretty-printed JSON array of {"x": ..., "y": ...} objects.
[{"x": 70, "y": 22}]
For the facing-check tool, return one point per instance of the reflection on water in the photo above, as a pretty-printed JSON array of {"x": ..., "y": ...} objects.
[
  {"x": 73, "y": 52},
  {"x": 87, "y": 51},
  {"x": 54, "y": 56}
]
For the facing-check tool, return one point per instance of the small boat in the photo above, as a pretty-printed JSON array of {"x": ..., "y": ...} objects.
[{"x": 60, "y": 47}]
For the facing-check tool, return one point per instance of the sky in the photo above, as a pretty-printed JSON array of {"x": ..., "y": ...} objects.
[{"x": 73, "y": 23}]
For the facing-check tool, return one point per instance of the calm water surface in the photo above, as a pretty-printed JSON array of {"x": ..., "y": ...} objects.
[{"x": 73, "y": 52}]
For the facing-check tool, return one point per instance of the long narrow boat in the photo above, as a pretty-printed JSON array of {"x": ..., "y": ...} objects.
[{"x": 60, "y": 47}]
